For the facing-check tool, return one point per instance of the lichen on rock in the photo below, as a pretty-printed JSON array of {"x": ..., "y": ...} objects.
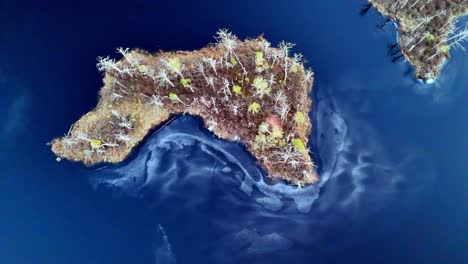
[{"x": 241, "y": 89}]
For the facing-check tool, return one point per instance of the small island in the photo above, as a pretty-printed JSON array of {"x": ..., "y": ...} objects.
[
  {"x": 427, "y": 31},
  {"x": 245, "y": 91}
]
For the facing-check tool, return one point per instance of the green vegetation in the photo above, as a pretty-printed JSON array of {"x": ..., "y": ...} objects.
[
  {"x": 277, "y": 133},
  {"x": 174, "y": 63},
  {"x": 237, "y": 89},
  {"x": 430, "y": 37},
  {"x": 233, "y": 61},
  {"x": 299, "y": 145},
  {"x": 300, "y": 118},
  {"x": 294, "y": 69},
  {"x": 445, "y": 48},
  {"x": 262, "y": 86},
  {"x": 143, "y": 69},
  {"x": 263, "y": 128},
  {"x": 95, "y": 143},
  {"x": 254, "y": 108},
  {"x": 260, "y": 62},
  {"x": 185, "y": 82},
  {"x": 174, "y": 98}
]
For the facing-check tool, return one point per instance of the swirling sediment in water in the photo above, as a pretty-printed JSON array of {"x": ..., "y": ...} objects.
[{"x": 191, "y": 178}]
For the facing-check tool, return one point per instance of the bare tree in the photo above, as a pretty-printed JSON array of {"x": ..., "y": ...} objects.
[
  {"x": 228, "y": 40},
  {"x": 162, "y": 78},
  {"x": 285, "y": 47}
]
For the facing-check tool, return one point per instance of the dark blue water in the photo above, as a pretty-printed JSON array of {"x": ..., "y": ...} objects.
[{"x": 392, "y": 151}]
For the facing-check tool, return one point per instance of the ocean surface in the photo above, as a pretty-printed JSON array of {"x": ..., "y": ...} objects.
[{"x": 392, "y": 151}]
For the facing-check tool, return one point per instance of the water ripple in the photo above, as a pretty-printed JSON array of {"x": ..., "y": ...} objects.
[{"x": 192, "y": 178}]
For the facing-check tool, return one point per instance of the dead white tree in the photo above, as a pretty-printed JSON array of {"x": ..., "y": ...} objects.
[
  {"x": 106, "y": 63},
  {"x": 67, "y": 139},
  {"x": 228, "y": 40},
  {"x": 115, "y": 96},
  {"x": 163, "y": 78},
  {"x": 459, "y": 37},
  {"x": 296, "y": 60},
  {"x": 288, "y": 155},
  {"x": 235, "y": 107},
  {"x": 281, "y": 107},
  {"x": 271, "y": 80},
  {"x": 309, "y": 75},
  {"x": 210, "y": 82},
  {"x": 124, "y": 122},
  {"x": 205, "y": 102},
  {"x": 174, "y": 65},
  {"x": 282, "y": 110},
  {"x": 212, "y": 62},
  {"x": 285, "y": 48},
  {"x": 130, "y": 57},
  {"x": 280, "y": 97},
  {"x": 213, "y": 105},
  {"x": 225, "y": 89},
  {"x": 122, "y": 137},
  {"x": 155, "y": 101}
]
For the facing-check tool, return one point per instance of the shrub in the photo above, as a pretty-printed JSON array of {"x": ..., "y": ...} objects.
[
  {"x": 299, "y": 145},
  {"x": 237, "y": 89},
  {"x": 261, "y": 85},
  {"x": 185, "y": 82},
  {"x": 174, "y": 98},
  {"x": 95, "y": 143},
  {"x": 254, "y": 108}
]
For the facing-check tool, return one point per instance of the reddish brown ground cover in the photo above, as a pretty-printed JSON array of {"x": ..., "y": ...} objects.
[{"x": 241, "y": 89}]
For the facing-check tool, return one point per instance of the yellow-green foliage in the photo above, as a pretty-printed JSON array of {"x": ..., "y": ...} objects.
[
  {"x": 260, "y": 141},
  {"x": 263, "y": 140},
  {"x": 261, "y": 85},
  {"x": 430, "y": 37},
  {"x": 263, "y": 128},
  {"x": 267, "y": 139},
  {"x": 277, "y": 133},
  {"x": 282, "y": 142},
  {"x": 445, "y": 48},
  {"x": 143, "y": 68},
  {"x": 300, "y": 118},
  {"x": 233, "y": 61},
  {"x": 260, "y": 62},
  {"x": 95, "y": 143},
  {"x": 174, "y": 63},
  {"x": 294, "y": 69},
  {"x": 254, "y": 108},
  {"x": 237, "y": 89},
  {"x": 299, "y": 145},
  {"x": 185, "y": 82},
  {"x": 174, "y": 98},
  {"x": 301, "y": 122}
]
